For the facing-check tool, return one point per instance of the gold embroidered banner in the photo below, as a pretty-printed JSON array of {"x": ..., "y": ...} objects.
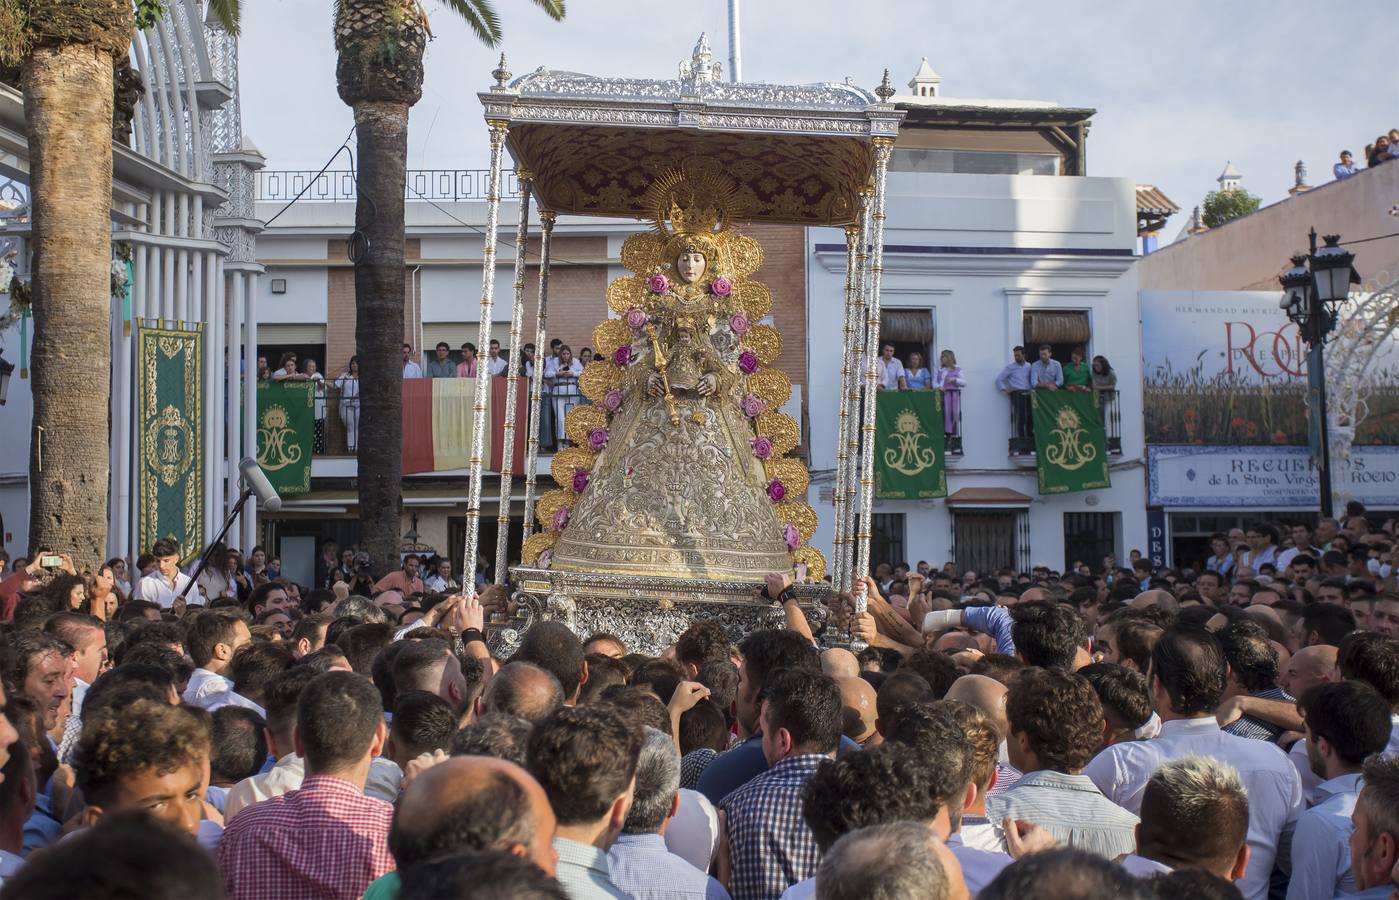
[
  {"x": 170, "y": 415},
  {"x": 1070, "y": 442},
  {"x": 286, "y": 431}
]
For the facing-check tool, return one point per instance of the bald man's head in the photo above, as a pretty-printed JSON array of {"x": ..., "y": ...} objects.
[
  {"x": 987, "y": 695},
  {"x": 474, "y": 803},
  {"x": 522, "y": 689},
  {"x": 838, "y": 662},
  {"x": 1308, "y": 667},
  {"x": 1033, "y": 594},
  {"x": 1164, "y": 599},
  {"x": 858, "y": 710}
]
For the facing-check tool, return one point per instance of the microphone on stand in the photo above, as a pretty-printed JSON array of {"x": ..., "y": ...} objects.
[{"x": 266, "y": 494}]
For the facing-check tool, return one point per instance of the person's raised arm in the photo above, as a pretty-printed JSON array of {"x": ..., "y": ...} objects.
[{"x": 778, "y": 588}]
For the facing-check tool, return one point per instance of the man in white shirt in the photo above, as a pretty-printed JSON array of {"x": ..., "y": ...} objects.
[
  {"x": 1345, "y": 723},
  {"x": 1188, "y": 674},
  {"x": 211, "y": 640},
  {"x": 410, "y": 368},
  {"x": 891, "y": 371},
  {"x": 1194, "y": 816},
  {"x": 495, "y": 363},
  {"x": 167, "y": 581}
]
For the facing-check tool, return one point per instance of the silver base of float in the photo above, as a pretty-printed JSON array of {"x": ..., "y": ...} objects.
[{"x": 648, "y": 613}]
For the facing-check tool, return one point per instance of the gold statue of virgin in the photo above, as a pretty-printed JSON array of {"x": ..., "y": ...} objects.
[{"x": 677, "y": 467}]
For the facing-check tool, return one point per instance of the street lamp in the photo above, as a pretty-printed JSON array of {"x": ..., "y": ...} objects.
[{"x": 1312, "y": 293}]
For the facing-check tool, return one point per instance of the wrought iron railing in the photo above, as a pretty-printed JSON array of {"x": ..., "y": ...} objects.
[
  {"x": 338, "y": 185},
  {"x": 1022, "y": 433}
]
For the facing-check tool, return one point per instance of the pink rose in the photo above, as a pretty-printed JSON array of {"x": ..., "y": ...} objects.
[
  {"x": 721, "y": 287},
  {"x": 739, "y": 323},
  {"x": 748, "y": 362},
  {"x": 753, "y": 406},
  {"x": 762, "y": 447},
  {"x": 561, "y": 517},
  {"x": 776, "y": 490},
  {"x": 636, "y": 317},
  {"x": 612, "y": 400},
  {"x": 580, "y": 480},
  {"x": 791, "y": 536},
  {"x": 623, "y": 355},
  {"x": 658, "y": 283},
  {"x": 597, "y": 438},
  {"x": 544, "y": 559}
]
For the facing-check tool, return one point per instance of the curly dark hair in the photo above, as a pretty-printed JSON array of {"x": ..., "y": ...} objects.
[
  {"x": 886, "y": 783},
  {"x": 499, "y": 735},
  {"x": 584, "y": 757},
  {"x": 934, "y": 732},
  {"x": 1047, "y": 634},
  {"x": 769, "y": 649},
  {"x": 1060, "y": 715},
  {"x": 1251, "y": 655},
  {"x": 1191, "y": 665},
  {"x": 1122, "y": 692},
  {"x": 141, "y": 736}
]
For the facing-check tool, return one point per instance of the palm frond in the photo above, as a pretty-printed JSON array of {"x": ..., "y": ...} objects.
[
  {"x": 481, "y": 17},
  {"x": 554, "y": 9},
  {"x": 229, "y": 14}
]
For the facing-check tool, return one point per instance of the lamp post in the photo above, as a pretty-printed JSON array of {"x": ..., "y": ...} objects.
[{"x": 1313, "y": 291}]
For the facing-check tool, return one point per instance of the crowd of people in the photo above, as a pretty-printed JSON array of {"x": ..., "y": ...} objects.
[
  {"x": 1384, "y": 149},
  {"x": 1121, "y": 731}
]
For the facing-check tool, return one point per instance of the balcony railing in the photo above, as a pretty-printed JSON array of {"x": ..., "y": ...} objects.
[
  {"x": 1022, "y": 433},
  {"x": 286, "y": 185}
]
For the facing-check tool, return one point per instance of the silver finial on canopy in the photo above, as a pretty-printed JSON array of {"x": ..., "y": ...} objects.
[
  {"x": 885, "y": 89},
  {"x": 700, "y": 67},
  {"x": 501, "y": 74}
]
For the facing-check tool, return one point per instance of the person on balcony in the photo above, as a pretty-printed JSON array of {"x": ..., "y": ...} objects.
[
  {"x": 288, "y": 371},
  {"x": 891, "y": 371},
  {"x": 1077, "y": 376},
  {"x": 467, "y": 367},
  {"x": 441, "y": 366},
  {"x": 318, "y": 389},
  {"x": 264, "y": 371},
  {"x": 348, "y": 385},
  {"x": 1014, "y": 381},
  {"x": 1045, "y": 373},
  {"x": 950, "y": 380},
  {"x": 1104, "y": 377},
  {"x": 495, "y": 363},
  {"x": 916, "y": 375},
  {"x": 410, "y": 368},
  {"x": 563, "y": 383}
]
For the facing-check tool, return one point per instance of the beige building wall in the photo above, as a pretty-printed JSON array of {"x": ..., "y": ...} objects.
[{"x": 1248, "y": 254}]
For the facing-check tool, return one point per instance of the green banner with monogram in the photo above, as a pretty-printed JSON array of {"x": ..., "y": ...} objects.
[
  {"x": 170, "y": 413},
  {"x": 1070, "y": 442},
  {"x": 286, "y": 433},
  {"x": 909, "y": 443}
]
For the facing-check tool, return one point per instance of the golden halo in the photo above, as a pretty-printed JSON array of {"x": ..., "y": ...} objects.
[
  {"x": 536, "y": 544},
  {"x": 599, "y": 377},
  {"x": 607, "y": 337},
  {"x": 815, "y": 562},
  {"x": 550, "y": 504},
  {"x": 791, "y": 473},
  {"x": 765, "y": 343},
  {"x": 771, "y": 386},
  {"x": 779, "y": 428},
  {"x": 799, "y": 516},
  {"x": 567, "y": 461},
  {"x": 583, "y": 419}
]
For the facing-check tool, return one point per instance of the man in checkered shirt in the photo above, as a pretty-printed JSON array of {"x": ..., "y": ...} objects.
[
  {"x": 325, "y": 839},
  {"x": 765, "y": 844}
]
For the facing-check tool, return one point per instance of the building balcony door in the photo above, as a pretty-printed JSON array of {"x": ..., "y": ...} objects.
[{"x": 1088, "y": 537}]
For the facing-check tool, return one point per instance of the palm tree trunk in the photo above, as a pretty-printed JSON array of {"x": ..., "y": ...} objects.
[
  {"x": 381, "y": 130},
  {"x": 68, "y": 110}
]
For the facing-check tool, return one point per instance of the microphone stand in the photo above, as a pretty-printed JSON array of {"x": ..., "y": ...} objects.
[{"x": 223, "y": 532}]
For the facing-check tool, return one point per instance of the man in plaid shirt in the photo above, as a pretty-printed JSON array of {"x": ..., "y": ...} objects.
[
  {"x": 327, "y": 839},
  {"x": 765, "y": 844}
]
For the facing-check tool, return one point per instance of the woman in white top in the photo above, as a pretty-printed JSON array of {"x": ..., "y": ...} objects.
[
  {"x": 563, "y": 385},
  {"x": 318, "y": 388},
  {"x": 950, "y": 380},
  {"x": 348, "y": 385}
]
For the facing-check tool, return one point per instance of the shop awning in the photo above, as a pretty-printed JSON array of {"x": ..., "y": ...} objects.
[
  {"x": 989, "y": 497},
  {"x": 1056, "y": 328}
]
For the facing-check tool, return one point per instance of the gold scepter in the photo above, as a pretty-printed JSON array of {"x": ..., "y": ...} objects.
[{"x": 661, "y": 365}]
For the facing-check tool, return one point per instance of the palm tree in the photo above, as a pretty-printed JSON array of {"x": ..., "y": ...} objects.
[
  {"x": 66, "y": 50},
  {"x": 379, "y": 74}
]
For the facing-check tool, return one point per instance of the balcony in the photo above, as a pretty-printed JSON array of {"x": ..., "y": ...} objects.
[
  {"x": 308, "y": 185},
  {"x": 1022, "y": 435}
]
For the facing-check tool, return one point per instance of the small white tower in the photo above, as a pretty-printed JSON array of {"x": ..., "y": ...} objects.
[
  {"x": 925, "y": 82},
  {"x": 1230, "y": 179}
]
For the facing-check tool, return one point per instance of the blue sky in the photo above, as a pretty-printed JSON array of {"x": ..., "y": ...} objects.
[{"x": 1180, "y": 87}]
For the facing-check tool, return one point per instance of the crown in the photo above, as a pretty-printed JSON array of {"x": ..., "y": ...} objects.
[
  {"x": 697, "y": 218},
  {"x": 696, "y": 199}
]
